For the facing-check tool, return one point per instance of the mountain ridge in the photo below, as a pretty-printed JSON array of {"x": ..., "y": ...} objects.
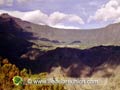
[{"x": 103, "y": 36}]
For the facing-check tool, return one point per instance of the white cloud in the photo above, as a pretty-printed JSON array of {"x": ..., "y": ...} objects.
[
  {"x": 54, "y": 19},
  {"x": 109, "y": 11},
  {"x": 75, "y": 18},
  {"x": 65, "y": 27},
  {"x": 58, "y": 17},
  {"x": 35, "y": 16}
]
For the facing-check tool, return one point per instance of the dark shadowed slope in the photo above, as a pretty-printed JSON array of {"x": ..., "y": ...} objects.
[
  {"x": 77, "y": 60},
  {"x": 8, "y": 24},
  {"x": 72, "y": 61}
]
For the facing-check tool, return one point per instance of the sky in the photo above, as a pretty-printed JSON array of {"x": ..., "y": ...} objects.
[{"x": 83, "y": 14}]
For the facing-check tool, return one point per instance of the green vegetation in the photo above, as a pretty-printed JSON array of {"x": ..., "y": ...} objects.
[{"x": 11, "y": 78}]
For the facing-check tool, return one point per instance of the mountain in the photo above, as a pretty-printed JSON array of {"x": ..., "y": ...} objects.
[
  {"x": 109, "y": 35},
  {"x": 16, "y": 36}
]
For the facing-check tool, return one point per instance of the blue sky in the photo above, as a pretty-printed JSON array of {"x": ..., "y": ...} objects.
[{"x": 65, "y": 13}]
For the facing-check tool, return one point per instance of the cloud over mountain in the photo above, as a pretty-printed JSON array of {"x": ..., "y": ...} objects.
[
  {"x": 108, "y": 12},
  {"x": 38, "y": 17}
]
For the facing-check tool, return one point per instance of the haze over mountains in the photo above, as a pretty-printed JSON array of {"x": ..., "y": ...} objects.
[{"x": 15, "y": 37}]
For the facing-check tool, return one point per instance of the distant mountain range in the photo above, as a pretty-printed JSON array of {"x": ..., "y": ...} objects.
[
  {"x": 109, "y": 35},
  {"x": 15, "y": 37}
]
